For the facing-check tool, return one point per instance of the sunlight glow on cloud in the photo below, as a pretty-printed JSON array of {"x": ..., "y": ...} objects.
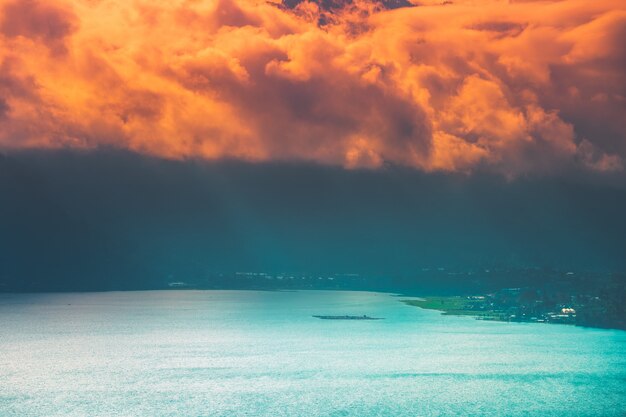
[{"x": 512, "y": 87}]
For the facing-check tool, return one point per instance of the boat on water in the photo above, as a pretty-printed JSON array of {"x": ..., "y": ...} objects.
[{"x": 363, "y": 317}]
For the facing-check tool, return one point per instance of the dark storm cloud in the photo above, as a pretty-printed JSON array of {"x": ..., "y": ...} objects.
[
  {"x": 118, "y": 220},
  {"x": 41, "y": 21}
]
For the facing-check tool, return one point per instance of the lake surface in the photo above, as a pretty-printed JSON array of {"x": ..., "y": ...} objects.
[{"x": 254, "y": 353}]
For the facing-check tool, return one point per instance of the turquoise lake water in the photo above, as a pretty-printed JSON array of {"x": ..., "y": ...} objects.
[{"x": 254, "y": 353}]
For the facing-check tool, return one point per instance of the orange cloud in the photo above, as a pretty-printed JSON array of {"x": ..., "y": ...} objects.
[{"x": 513, "y": 87}]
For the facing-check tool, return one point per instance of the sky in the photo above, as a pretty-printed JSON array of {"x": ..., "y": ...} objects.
[
  {"x": 141, "y": 140},
  {"x": 513, "y": 87}
]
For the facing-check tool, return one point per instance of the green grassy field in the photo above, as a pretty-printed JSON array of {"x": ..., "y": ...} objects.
[{"x": 456, "y": 306}]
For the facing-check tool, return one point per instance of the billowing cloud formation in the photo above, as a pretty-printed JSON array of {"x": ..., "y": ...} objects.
[{"x": 513, "y": 87}]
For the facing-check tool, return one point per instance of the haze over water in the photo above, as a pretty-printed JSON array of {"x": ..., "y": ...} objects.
[{"x": 249, "y": 353}]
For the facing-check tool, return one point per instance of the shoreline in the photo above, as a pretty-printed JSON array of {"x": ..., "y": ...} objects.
[
  {"x": 471, "y": 307},
  {"x": 451, "y": 306}
]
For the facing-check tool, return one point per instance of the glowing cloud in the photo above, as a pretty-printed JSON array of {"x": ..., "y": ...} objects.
[{"x": 512, "y": 87}]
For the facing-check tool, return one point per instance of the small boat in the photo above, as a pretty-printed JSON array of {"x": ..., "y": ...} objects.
[{"x": 363, "y": 317}]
